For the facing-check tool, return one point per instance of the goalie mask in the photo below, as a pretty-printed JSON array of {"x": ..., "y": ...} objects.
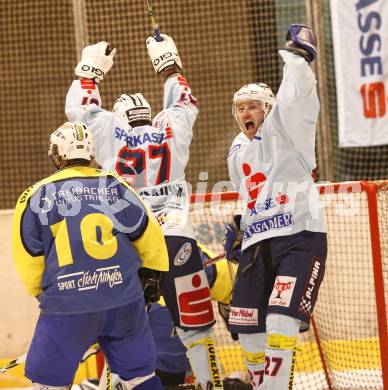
[
  {"x": 133, "y": 109},
  {"x": 254, "y": 92},
  {"x": 72, "y": 141}
]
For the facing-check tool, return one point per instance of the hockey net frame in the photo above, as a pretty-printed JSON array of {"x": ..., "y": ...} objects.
[{"x": 336, "y": 353}]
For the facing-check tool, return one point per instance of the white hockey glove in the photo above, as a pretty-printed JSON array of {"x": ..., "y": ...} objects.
[
  {"x": 163, "y": 54},
  {"x": 96, "y": 61}
]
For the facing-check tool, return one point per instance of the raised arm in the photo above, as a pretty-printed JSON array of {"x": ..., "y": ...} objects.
[
  {"x": 298, "y": 105},
  {"x": 83, "y": 100},
  {"x": 178, "y": 102}
]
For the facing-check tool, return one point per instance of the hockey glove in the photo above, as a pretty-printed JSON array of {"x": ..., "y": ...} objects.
[
  {"x": 224, "y": 311},
  {"x": 300, "y": 40},
  {"x": 96, "y": 61},
  {"x": 150, "y": 280},
  {"x": 233, "y": 237},
  {"x": 163, "y": 54}
]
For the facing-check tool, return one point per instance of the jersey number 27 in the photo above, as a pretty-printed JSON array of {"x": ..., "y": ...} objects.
[{"x": 131, "y": 164}]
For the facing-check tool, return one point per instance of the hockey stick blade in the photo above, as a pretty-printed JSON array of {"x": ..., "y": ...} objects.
[
  {"x": 13, "y": 363},
  {"x": 22, "y": 358}
]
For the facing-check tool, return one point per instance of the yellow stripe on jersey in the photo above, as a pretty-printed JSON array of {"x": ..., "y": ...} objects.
[
  {"x": 151, "y": 246},
  {"x": 161, "y": 301},
  {"x": 30, "y": 268}
]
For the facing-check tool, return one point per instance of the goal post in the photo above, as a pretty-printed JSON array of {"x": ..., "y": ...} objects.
[{"x": 348, "y": 346}]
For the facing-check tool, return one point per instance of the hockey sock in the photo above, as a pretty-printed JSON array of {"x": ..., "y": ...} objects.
[
  {"x": 280, "y": 352},
  {"x": 253, "y": 346},
  {"x": 201, "y": 353}
]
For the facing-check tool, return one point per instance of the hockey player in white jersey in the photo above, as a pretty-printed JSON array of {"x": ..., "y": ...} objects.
[
  {"x": 152, "y": 157},
  {"x": 284, "y": 243}
]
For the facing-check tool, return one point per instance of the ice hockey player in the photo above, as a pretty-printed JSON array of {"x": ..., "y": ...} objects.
[
  {"x": 284, "y": 242},
  {"x": 152, "y": 157},
  {"x": 79, "y": 238}
]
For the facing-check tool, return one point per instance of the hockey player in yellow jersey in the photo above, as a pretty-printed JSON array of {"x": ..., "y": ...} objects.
[{"x": 79, "y": 238}]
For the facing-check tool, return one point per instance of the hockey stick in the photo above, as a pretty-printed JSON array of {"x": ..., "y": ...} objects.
[
  {"x": 13, "y": 363},
  {"x": 22, "y": 358},
  {"x": 210, "y": 262},
  {"x": 153, "y": 21}
]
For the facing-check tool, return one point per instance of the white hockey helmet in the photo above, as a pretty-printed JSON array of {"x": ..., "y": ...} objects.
[
  {"x": 74, "y": 140},
  {"x": 259, "y": 92},
  {"x": 133, "y": 109}
]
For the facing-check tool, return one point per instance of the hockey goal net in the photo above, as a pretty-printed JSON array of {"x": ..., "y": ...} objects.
[{"x": 347, "y": 346}]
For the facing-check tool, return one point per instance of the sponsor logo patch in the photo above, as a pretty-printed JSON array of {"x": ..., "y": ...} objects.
[
  {"x": 282, "y": 291},
  {"x": 277, "y": 221},
  {"x": 215, "y": 373},
  {"x": 243, "y": 316},
  {"x": 194, "y": 302},
  {"x": 183, "y": 254},
  {"x": 308, "y": 297}
]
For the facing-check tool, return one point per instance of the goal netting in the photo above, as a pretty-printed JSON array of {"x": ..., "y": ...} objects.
[
  {"x": 223, "y": 45},
  {"x": 342, "y": 349}
]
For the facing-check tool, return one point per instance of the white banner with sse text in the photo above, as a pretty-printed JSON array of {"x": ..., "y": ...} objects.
[{"x": 360, "y": 41}]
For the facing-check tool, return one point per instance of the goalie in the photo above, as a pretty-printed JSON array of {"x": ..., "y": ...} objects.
[{"x": 284, "y": 243}]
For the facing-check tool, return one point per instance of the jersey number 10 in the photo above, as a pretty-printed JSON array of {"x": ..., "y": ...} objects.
[{"x": 102, "y": 248}]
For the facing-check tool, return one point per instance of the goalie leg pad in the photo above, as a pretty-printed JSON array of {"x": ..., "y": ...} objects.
[
  {"x": 280, "y": 352},
  {"x": 253, "y": 346},
  {"x": 201, "y": 352}
]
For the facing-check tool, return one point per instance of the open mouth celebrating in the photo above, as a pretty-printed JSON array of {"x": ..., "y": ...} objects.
[{"x": 249, "y": 125}]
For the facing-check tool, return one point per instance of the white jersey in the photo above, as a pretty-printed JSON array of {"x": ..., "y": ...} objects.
[
  {"x": 273, "y": 172},
  {"x": 150, "y": 158}
]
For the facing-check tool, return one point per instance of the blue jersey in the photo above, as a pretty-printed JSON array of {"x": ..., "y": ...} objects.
[{"x": 79, "y": 237}]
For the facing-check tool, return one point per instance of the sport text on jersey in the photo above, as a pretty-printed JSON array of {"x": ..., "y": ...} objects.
[{"x": 83, "y": 281}]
